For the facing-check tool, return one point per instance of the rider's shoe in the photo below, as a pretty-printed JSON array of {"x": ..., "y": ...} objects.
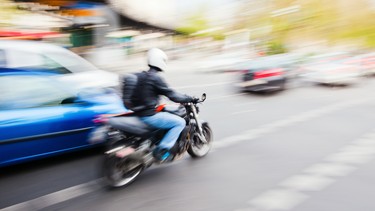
[{"x": 162, "y": 155}]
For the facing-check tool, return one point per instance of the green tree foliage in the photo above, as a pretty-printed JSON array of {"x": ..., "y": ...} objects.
[
  {"x": 275, "y": 47},
  {"x": 196, "y": 22},
  {"x": 332, "y": 20}
]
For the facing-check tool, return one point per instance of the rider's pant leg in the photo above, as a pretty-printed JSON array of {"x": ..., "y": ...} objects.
[{"x": 164, "y": 120}]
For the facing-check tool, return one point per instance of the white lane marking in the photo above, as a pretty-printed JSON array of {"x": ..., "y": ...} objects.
[
  {"x": 290, "y": 192},
  {"x": 330, "y": 169},
  {"x": 55, "y": 198},
  {"x": 79, "y": 190},
  {"x": 268, "y": 128},
  {"x": 261, "y": 130},
  {"x": 229, "y": 141},
  {"x": 360, "y": 151},
  {"x": 279, "y": 199},
  {"x": 242, "y": 112},
  {"x": 350, "y": 158},
  {"x": 307, "y": 182}
]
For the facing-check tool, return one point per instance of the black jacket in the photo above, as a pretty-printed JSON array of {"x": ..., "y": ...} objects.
[{"x": 141, "y": 92}]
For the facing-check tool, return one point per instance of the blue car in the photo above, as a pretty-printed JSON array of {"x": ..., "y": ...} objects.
[{"x": 40, "y": 116}]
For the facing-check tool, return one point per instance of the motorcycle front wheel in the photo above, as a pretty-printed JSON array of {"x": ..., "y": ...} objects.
[
  {"x": 119, "y": 172},
  {"x": 199, "y": 149}
]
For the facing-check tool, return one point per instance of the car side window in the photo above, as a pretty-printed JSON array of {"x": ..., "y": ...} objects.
[
  {"x": 35, "y": 61},
  {"x": 19, "y": 58},
  {"x": 54, "y": 66},
  {"x": 25, "y": 91}
]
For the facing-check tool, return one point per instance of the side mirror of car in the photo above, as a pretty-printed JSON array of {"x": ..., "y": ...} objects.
[{"x": 73, "y": 100}]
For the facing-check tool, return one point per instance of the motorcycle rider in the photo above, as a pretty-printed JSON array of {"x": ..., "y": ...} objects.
[{"x": 141, "y": 94}]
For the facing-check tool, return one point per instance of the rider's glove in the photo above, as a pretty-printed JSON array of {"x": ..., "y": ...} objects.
[{"x": 195, "y": 100}]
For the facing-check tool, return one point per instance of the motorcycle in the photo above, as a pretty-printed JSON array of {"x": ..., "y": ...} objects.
[{"x": 130, "y": 142}]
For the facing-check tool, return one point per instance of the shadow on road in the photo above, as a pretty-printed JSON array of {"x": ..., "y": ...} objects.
[{"x": 45, "y": 163}]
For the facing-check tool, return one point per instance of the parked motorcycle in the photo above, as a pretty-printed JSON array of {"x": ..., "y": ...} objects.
[{"x": 131, "y": 142}]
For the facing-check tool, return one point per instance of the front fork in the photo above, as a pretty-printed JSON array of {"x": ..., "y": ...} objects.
[{"x": 200, "y": 130}]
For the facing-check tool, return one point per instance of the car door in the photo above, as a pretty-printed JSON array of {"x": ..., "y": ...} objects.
[{"x": 36, "y": 121}]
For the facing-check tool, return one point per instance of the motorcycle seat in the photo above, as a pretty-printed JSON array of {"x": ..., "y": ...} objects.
[{"x": 130, "y": 124}]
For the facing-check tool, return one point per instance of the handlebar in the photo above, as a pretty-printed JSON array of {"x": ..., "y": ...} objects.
[{"x": 202, "y": 99}]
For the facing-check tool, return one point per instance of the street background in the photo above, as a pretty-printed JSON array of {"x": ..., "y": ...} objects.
[
  {"x": 309, "y": 146},
  {"x": 261, "y": 142}
]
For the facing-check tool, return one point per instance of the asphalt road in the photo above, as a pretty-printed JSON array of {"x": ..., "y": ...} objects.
[{"x": 308, "y": 148}]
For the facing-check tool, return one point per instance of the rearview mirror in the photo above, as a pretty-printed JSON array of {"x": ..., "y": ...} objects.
[{"x": 204, "y": 97}]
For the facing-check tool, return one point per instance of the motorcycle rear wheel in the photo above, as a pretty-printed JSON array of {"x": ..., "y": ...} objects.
[
  {"x": 116, "y": 173},
  {"x": 197, "y": 148}
]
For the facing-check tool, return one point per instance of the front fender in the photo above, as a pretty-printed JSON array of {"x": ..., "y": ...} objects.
[{"x": 204, "y": 123}]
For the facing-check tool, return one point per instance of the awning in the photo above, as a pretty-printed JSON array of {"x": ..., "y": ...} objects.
[{"x": 18, "y": 34}]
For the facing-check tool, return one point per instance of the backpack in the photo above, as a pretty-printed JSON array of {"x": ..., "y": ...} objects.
[{"x": 132, "y": 89}]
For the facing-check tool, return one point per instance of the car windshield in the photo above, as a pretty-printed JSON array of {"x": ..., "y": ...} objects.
[{"x": 71, "y": 62}]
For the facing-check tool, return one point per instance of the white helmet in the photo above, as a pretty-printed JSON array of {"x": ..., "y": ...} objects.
[{"x": 157, "y": 58}]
